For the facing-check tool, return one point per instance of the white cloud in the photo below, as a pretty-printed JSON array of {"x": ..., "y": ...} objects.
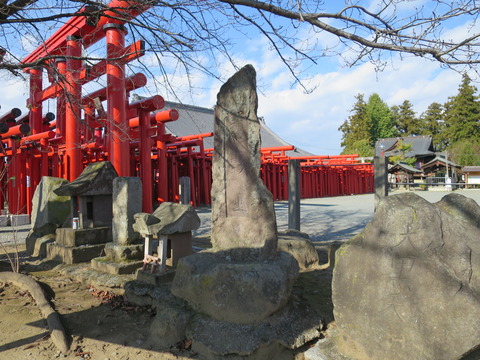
[
  {"x": 311, "y": 120},
  {"x": 14, "y": 94}
]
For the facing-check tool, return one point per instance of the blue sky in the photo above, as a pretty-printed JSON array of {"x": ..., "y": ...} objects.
[{"x": 309, "y": 121}]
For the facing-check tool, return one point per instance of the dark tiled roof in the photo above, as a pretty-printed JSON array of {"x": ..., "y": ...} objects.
[
  {"x": 421, "y": 146},
  {"x": 198, "y": 120},
  {"x": 440, "y": 158},
  {"x": 406, "y": 167}
]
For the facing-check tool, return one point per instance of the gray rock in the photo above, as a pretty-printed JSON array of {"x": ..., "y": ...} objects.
[
  {"x": 270, "y": 338},
  {"x": 168, "y": 218},
  {"x": 408, "y": 286},
  {"x": 242, "y": 207},
  {"x": 118, "y": 252},
  {"x": 127, "y": 201},
  {"x": 237, "y": 292},
  {"x": 35, "y": 234},
  {"x": 95, "y": 179},
  {"x": 169, "y": 326},
  {"x": 301, "y": 249},
  {"x": 47, "y": 207},
  {"x": 176, "y": 218},
  {"x": 461, "y": 208},
  {"x": 40, "y": 249},
  {"x": 142, "y": 222}
]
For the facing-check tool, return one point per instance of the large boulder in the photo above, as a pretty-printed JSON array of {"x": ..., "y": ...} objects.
[
  {"x": 239, "y": 292},
  {"x": 48, "y": 207},
  {"x": 408, "y": 286},
  {"x": 49, "y": 211}
]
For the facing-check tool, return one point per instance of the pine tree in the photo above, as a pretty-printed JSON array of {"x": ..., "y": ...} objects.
[
  {"x": 462, "y": 114},
  {"x": 382, "y": 125},
  {"x": 405, "y": 119},
  {"x": 466, "y": 152},
  {"x": 356, "y": 137},
  {"x": 432, "y": 123}
]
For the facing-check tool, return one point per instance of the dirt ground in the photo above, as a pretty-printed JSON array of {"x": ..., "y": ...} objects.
[{"x": 101, "y": 325}]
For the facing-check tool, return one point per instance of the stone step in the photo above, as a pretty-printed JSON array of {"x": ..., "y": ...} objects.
[
  {"x": 77, "y": 237},
  {"x": 73, "y": 254},
  {"x": 110, "y": 266}
]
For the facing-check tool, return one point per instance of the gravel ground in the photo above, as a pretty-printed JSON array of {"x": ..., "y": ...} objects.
[
  {"x": 334, "y": 218},
  {"x": 324, "y": 219}
]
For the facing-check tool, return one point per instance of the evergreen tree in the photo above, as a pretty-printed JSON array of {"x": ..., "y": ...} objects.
[
  {"x": 466, "y": 152},
  {"x": 405, "y": 119},
  {"x": 432, "y": 123},
  {"x": 462, "y": 114},
  {"x": 356, "y": 137},
  {"x": 381, "y": 119}
]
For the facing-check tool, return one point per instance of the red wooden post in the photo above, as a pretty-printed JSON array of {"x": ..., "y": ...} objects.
[
  {"x": 119, "y": 152},
  {"x": 72, "y": 109},
  {"x": 145, "y": 146}
]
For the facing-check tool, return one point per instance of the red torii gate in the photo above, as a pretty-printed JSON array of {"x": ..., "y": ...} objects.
[
  {"x": 64, "y": 152},
  {"x": 130, "y": 135}
]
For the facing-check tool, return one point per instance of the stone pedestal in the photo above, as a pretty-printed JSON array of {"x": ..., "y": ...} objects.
[
  {"x": 119, "y": 259},
  {"x": 236, "y": 310},
  {"x": 239, "y": 292},
  {"x": 73, "y": 246}
]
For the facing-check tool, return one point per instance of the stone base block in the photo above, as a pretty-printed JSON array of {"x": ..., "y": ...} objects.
[
  {"x": 78, "y": 237},
  {"x": 18, "y": 220},
  {"x": 235, "y": 291},
  {"x": 118, "y": 252},
  {"x": 4, "y": 220},
  {"x": 73, "y": 255},
  {"x": 110, "y": 266},
  {"x": 155, "y": 278}
]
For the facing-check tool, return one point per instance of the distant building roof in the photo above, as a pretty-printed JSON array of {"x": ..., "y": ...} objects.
[
  {"x": 440, "y": 159},
  {"x": 421, "y": 146},
  {"x": 403, "y": 166},
  {"x": 467, "y": 169},
  {"x": 199, "y": 120}
]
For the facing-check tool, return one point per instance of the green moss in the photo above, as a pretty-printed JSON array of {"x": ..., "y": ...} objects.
[{"x": 207, "y": 281}]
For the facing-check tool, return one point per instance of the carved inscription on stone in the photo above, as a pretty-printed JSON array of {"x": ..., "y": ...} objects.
[{"x": 242, "y": 207}]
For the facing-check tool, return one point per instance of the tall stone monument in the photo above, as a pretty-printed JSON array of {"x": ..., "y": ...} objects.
[
  {"x": 240, "y": 290},
  {"x": 242, "y": 207}
]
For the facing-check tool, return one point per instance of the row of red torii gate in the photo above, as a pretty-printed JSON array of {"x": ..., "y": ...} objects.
[{"x": 131, "y": 135}]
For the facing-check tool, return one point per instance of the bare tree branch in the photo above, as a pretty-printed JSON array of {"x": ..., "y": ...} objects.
[{"x": 196, "y": 33}]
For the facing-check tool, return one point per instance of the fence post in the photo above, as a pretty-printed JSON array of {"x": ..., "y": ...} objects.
[
  {"x": 294, "y": 194},
  {"x": 380, "y": 178},
  {"x": 185, "y": 195}
]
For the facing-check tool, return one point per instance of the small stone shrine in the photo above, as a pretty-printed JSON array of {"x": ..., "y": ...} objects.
[
  {"x": 237, "y": 297},
  {"x": 125, "y": 253},
  {"x": 170, "y": 226},
  {"x": 89, "y": 228}
]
